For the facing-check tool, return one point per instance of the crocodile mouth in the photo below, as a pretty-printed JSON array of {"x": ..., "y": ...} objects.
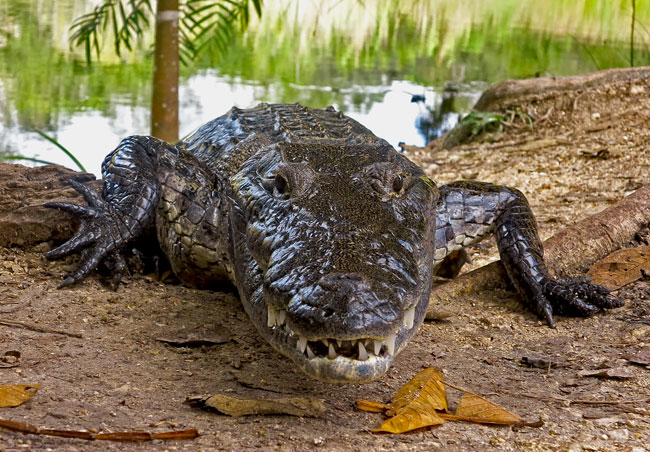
[{"x": 336, "y": 360}]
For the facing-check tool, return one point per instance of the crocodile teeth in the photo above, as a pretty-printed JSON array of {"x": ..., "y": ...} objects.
[
  {"x": 363, "y": 355},
  {"x": 331, "y": 353},
  {"x": 275, "y": 316},
  {"x": 310, "y": 354},
  {"x": 280, "y": 317},
  {"x": 390, "y": 344},
  {"x": 339, "y": 342},
  {"x": 409, "y": 317},
  {"x": 377, "y": 345},
  {"x": 302, "y": 343},
  {"x": 271, "y": 318}
]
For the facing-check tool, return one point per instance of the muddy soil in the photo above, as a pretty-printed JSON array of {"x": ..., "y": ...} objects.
[{"x": 586, "y": 149}]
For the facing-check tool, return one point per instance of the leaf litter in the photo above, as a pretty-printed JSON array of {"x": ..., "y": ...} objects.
[
  {"x": 621, "y": 267},
  {"x": 234, "y": 406},
  {"x": 16, "y": 395},
  {"x": 422, "y": 402}
]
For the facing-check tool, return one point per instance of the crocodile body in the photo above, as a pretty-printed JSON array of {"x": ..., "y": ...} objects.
[{"x": 331, "y": 237}]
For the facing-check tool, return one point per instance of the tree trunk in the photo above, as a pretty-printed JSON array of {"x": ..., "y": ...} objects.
[{"x": 164, "y": 104}]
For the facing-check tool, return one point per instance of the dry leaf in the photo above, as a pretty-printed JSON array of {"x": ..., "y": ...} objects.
[
  {"x": 417, "y": 415},
  {"x": 619, "y": 373},
  {"x": 11, "y": 358},
  {"x": 621, "y": 267},
  {"x": 184, "y": 338},
  {"x": 416, "y": 403},
  {"x": 232, "y": 406},
  {"x": 475, "y": 408},
  {"x": 426, "y": 386},
  {"x": 14, "y": 395},
  {"x": 372, "y": 407}
]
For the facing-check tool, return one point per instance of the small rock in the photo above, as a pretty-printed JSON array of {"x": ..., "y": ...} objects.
[
  {"x": 608, "y": 421},
  {"x": 621, "y": 434},
  {"x": 574, "y": 447},
  {"x": 643, "y": 331},
  {"x": 637, "y": 89},
  {"x": 42, "y": 247}
]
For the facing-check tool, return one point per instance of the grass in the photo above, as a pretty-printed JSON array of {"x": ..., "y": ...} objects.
[{"x": 45, "y": 162}]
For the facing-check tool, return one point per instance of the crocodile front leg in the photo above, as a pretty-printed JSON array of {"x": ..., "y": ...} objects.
[
  {"x": 469, "y": 211},
  {"x": 125, "y": 208}
]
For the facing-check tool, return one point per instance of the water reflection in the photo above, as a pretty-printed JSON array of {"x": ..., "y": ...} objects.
[
  {"x": 435, "y": 120},
  {"x": 362, "y": 61}
]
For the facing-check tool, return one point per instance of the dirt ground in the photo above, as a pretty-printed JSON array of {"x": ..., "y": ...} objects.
[{"x": 586, "y": 149}]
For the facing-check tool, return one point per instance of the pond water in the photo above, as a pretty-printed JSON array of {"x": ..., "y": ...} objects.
[{"x": 366, "y": 58}]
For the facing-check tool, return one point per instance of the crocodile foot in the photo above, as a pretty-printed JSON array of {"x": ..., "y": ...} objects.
[
  {"x": 99, "y": 238},
  {"x": 573, "y": 296}
]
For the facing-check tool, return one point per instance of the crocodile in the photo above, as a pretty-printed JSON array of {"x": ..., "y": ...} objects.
[{"x": 331, "y": 237}]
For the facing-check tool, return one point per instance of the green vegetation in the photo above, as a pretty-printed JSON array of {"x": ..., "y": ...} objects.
[
  {"x": 62, "y": 148},
  {"x": 204, "y": 24},
  {"x": 317, "y": 56},
  {"x": 471, "y": 125},
  {"x": 45, "y": 162}
]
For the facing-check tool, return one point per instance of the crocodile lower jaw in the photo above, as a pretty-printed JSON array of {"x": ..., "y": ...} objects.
[{"x": 336, "y": 360}]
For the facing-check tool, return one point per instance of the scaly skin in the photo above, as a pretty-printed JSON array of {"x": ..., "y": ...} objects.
[{"x": 331, "y": 237}]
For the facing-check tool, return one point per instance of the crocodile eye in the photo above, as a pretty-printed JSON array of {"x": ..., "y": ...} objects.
[
  {"x": 280, "y": 184},
  {"x": 398, "y": 183}
]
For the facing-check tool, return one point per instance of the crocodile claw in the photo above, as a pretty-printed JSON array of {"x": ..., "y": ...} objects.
[
  {"x": 98, "y": 237},
  {"x": 575, "y": 297},
  {"x": 66, "y": 282}
]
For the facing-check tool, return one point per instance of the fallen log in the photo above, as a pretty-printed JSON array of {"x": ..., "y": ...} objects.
[
  {"x": 511, "y": 92},
  {"x": 569, "y": 252},
  {"x": 23, "y": 190}
]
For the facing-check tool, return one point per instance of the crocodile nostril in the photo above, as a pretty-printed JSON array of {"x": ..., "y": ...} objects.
[
  {"x": 280, "y": 184},
  {"x": 398, "y": 183}
]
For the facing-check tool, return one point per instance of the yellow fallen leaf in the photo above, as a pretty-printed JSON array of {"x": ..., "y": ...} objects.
[
  {"x": 372, "y": 407},
  {"x": 416, "y": 403},
  {"x": 14, "y": 395},
  {"x": 416, "y": 415},
  {"x": 475, "y": 408},
  {"x": 426, "y": 386},
  {"x": 422, "y": 402},
  {"x": 621, "y": 267}
]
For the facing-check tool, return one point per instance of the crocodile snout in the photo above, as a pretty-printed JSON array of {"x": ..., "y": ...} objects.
[
  {"x": 344, "y": 282},
  {"x": 344, "y": 305}
]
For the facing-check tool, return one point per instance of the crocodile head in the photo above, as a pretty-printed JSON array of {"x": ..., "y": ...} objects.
[{"x": 334, "y": 249}]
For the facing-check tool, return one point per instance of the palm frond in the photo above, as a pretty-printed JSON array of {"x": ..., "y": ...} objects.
[
  {"x": 208, "y": 23},
  {"x": 127, "y": 20}
]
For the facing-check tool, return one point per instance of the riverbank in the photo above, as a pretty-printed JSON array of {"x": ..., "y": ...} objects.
[{"x": 587, "y": 148}]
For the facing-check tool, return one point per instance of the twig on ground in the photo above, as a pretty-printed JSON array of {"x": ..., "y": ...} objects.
[
  {"x": 20, "y": 427},
  {"x": 38, "y": 329}
]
